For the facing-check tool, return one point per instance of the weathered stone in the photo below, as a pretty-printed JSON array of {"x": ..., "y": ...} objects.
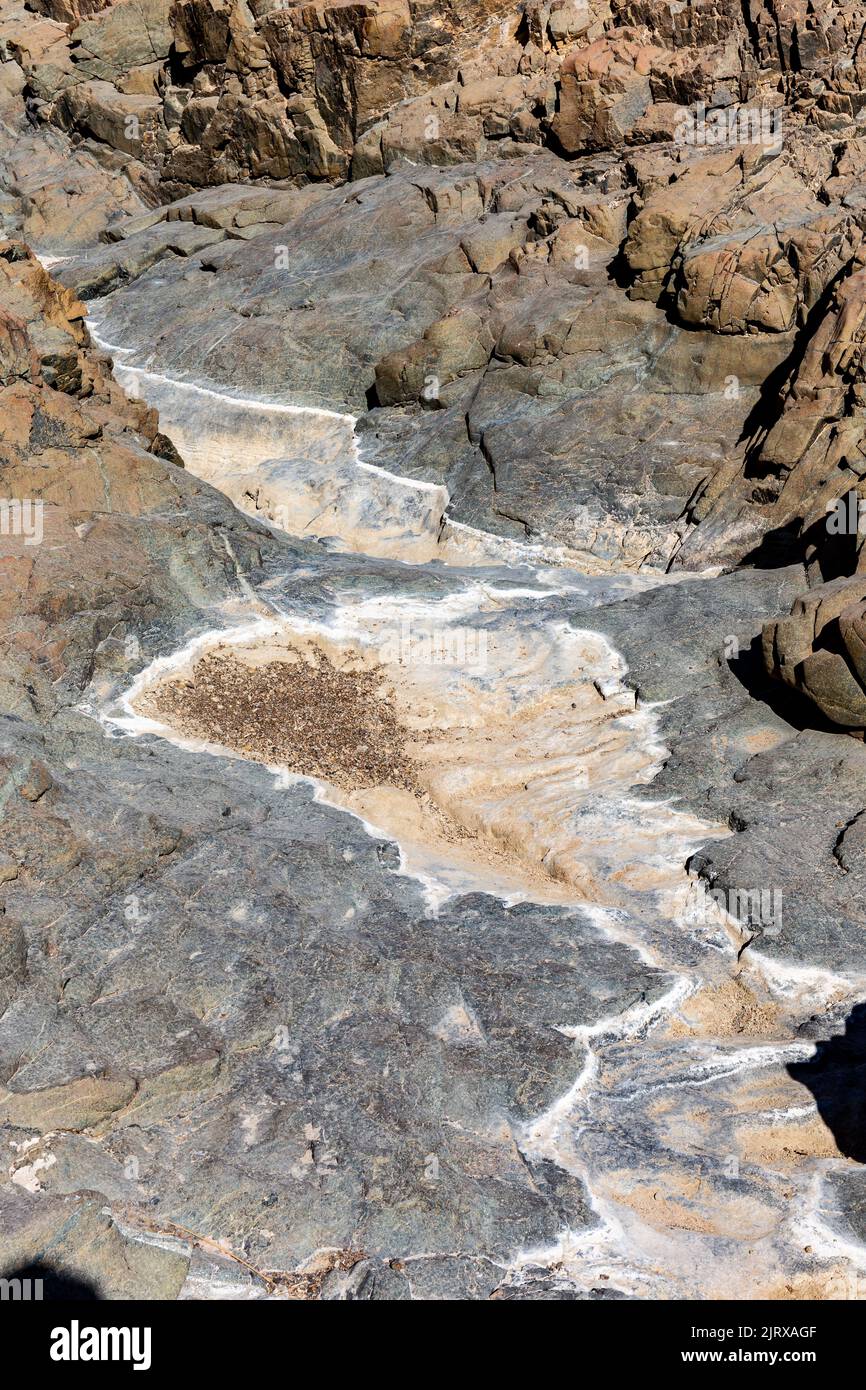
[
  {"x": 592, "y": 340},
  {"x": 77, "y": 1105}
]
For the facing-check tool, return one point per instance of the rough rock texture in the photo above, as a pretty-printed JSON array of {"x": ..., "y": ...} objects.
[
  {"x": 193, "y": 1064},
  {"x": 473, "y": 308},
  {"x": 819, "y": 650},
  {"x": 607, "y": 324},
  {"x": 207, "y": 91},
  {"x": 597, "y": 270}
]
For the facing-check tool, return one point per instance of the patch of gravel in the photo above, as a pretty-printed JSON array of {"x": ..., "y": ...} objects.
[{"x": 306, "y": 715}]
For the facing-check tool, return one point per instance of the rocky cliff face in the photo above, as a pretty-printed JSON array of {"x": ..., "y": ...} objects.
[{"x": 548, "y": 318}]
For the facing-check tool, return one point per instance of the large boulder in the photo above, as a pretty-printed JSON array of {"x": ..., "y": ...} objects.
[{"x": 820, "y": 651}]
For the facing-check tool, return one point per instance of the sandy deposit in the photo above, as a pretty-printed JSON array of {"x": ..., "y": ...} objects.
[{"x": 492, "y": 773}]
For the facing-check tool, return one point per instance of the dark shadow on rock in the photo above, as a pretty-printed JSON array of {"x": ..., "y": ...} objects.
[
  {"x": 836, "y": 1076},
  {"x": 836, "y": 554},
  {"x": 57, "y": 1285},
  {"x": 770, "y": 405},
  {"x": 778, "y": 548},
  {"x": 619, "y": 272},
  {"x": 790, "y": 705}
]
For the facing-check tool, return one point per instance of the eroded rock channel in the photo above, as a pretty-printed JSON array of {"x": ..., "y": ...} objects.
[
  {"x": 500, "y": 748},
  {"x": 433, "y": 839}
]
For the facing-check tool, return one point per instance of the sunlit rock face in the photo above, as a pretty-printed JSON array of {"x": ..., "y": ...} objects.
[{"x": 431, "y": 593}]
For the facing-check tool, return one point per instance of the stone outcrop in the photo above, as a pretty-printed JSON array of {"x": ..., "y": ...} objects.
[
  {"x": 590, "y": 275},
  {"x": 820, "y": 651},
  {"x": 205, "y": 92},
  {"x": 88, "y": 467}
]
